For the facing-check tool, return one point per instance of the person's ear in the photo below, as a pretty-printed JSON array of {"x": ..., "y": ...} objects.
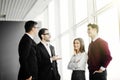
[
  {"x": 32, "y": 28},
  {"x": 42, "y": 36}
]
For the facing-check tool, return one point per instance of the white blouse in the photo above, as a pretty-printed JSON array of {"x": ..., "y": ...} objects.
[{"x": 78, "y": 61}]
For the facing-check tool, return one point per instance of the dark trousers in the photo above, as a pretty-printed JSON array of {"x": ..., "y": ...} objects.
[
  {"x": 47, "y": 76},
  {"x": 98, "y": 76},
  {"x": 78, "y": 75}
]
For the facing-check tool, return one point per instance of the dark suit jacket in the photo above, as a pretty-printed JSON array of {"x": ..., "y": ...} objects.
[
  {"x": 47, "y": 70},
  {"x": 27, "y": 58}
]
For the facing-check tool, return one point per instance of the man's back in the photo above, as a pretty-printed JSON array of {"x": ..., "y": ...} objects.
[{"x": 27, "y": 58}]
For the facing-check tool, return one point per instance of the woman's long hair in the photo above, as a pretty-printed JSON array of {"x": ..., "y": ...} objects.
[{"x": 82, "y": 46}]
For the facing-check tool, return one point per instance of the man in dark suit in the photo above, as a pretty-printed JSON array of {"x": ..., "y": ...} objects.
[
  {"x": 47, "y": 65},
  {"x": 27, "y": 53},
  {"x": 98, "y": 55}
]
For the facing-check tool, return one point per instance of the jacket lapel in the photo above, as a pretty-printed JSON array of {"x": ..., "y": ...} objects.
[
  {"x": 44, "y": 50},
  {"x": 52, "y": 50}
]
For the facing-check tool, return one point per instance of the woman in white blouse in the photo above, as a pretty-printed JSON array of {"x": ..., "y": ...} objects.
[{"x": 78, "y": 60}]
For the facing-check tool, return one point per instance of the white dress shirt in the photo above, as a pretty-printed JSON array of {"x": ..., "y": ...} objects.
[
  {"x": 30, "y": 35},
  {"x": 78, "y": 61},
  {"x": 47, "y": 46}
]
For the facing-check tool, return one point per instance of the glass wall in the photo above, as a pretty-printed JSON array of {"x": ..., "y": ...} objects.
[
  {"x": 63, "y": 15},
  {"x": 68, "y": 19},
  {"x": 101, "y": 3},
  {"x": 51, "y": 19},
  {"x": 109, "y": 31},
  {"x": 80, "y": 10},
  {"x": 65, "y": 52},
  {"x": 82, "y": 32}
]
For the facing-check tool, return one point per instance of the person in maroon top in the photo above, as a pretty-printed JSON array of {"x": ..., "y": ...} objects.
[{"x": 98, "y": 55}]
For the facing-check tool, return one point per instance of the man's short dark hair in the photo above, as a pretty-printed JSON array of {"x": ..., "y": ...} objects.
[
  {"x": 41, "y": 32},
  {"x": 29, "y": 25},
  {"x": 94, "y": 26}
]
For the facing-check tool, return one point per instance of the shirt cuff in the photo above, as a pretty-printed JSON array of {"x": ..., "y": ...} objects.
[
  {"x": 51, "y": 60},
  {"x": 102, "y": 68}
]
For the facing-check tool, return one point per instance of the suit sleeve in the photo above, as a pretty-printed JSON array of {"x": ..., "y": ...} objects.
[
  {"x": 24, "y": 50},
  {"x": 54, "y": 64},
  {"x": 38, "y": 55}
]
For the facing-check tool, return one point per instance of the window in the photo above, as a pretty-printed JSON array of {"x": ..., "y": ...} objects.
[
  {"x": 109, "y": 30},
  {"x": 62, "y": 36},
  {"x": 80, "y": 10},
  {"x": 82, "y": 32},
  {"x": 43, "y": 18},
  {"x": 64, "y": 15},
  {"x": 65, "y": 50},
  {"x": 102, "y": 3},
  {"x": 52, "y": 27}
]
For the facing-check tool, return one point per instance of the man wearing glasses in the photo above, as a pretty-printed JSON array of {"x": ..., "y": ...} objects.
[{"x": 47, "y": 65}]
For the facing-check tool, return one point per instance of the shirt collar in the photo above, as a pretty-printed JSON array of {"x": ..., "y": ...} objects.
[
  {"x": 45, "y": 43},
  {"x": 95, "y": 38},
  {"x": 30, "y": 35}
]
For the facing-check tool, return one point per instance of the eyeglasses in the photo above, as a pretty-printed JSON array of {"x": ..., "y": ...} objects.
[
  {"x": 46, "y": 34},
  {"x": 37, "y": 27}
]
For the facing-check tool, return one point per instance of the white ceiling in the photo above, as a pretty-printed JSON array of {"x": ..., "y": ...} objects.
[{"x": 21, "y": 10}]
